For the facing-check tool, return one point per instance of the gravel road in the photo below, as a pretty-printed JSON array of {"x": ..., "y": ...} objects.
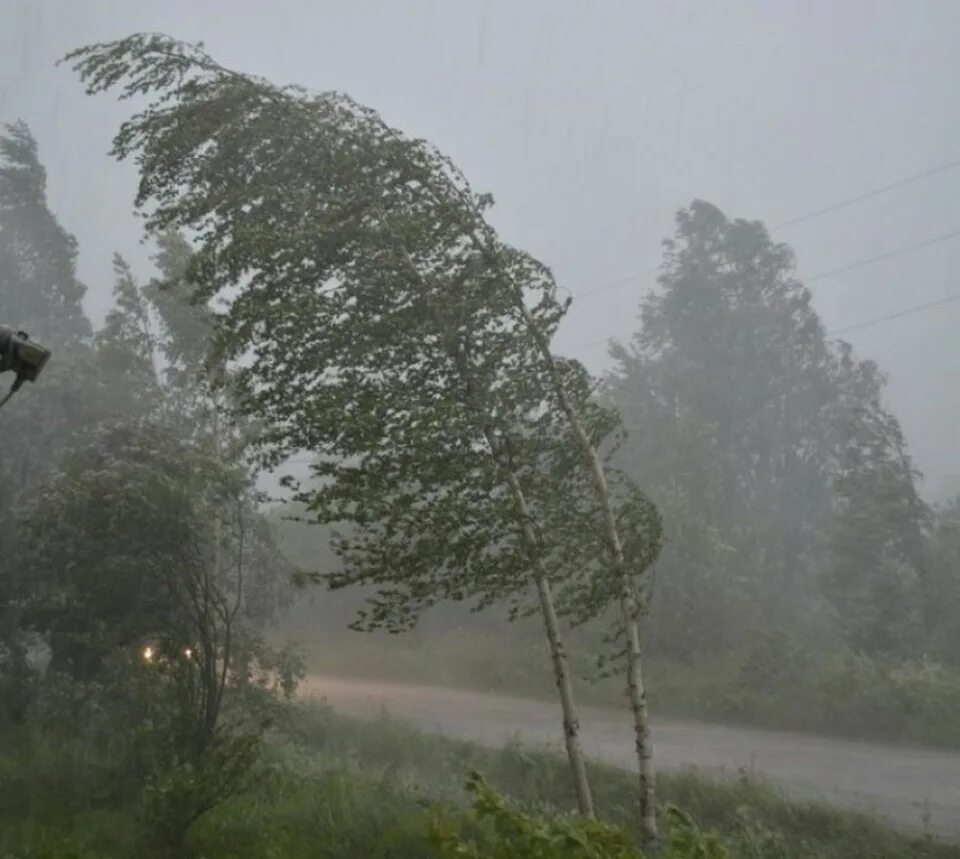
[{"x": 904, "y": 785}]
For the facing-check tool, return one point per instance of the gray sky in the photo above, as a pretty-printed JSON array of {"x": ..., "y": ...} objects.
[{"x": 591, "y": 123}]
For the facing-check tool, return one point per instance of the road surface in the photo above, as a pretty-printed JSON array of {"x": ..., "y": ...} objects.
[{"x": 911, "y": 788}]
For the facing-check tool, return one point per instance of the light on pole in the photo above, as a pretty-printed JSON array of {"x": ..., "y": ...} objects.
[{"x": 22, "y": 356}]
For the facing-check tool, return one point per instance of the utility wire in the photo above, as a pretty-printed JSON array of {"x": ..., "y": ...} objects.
[
  {"x": 917, "y": 308},
  {"x": 866, "y": 195},
  {"x": 613, "y": 284},
  {"x": 857, "y": 326},
  {"x": 888, "y": 255},
  {"x": 791, "y": 222},
  {"x": 844, "y": 268},
  {"x": 798, "y": 219}
]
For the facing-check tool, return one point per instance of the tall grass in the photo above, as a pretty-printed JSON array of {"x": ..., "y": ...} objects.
[
  {"x": 331, "y": 786},
  {"x": 754, "y": 818}
]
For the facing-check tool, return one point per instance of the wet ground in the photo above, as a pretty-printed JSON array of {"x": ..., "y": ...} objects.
[{"x": 911, "y": 787}]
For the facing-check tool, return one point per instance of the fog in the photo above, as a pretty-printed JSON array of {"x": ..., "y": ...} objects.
[
  {"x": 479, "y": 428},
  {"x": 591, "y": 123}
]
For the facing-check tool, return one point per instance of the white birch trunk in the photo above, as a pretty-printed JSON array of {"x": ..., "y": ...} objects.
[
  {"x": 558, "y": 655},
  {"x": 571, "y": 723},
  {"x": 629, "y": 609}
]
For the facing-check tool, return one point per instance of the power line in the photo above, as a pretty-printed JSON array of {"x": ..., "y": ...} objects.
[
  {"x": 866, "y": 195},
  {"x": 888, "y": 255},
  {"x": 857, "y": 326},
  {"x": 818, "y": 276},
  {"x": 907, "y": 312},
  {"x": 844, "y": 268},
  {"x": 798, "y": 219},
  {"x": 869, "y": 323},
  {"x": 613, "y": 284}
]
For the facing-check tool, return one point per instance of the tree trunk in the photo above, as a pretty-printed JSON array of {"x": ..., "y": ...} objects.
[
  {"x": 629, "y": 608},
  {"x": 641, "y": 724},
  {"x": 571, "y": 724}
]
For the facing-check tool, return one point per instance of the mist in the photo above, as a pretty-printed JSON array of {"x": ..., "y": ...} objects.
[
  {"x": 479, "y": 412},
  {"x": 591, "y": 126}
]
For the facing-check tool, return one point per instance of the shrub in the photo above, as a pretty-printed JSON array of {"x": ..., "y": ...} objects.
[{"x": 511, "y": 834}]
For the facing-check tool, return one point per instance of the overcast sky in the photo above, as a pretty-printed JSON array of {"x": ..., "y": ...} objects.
[{"x": 591, "y": 123}]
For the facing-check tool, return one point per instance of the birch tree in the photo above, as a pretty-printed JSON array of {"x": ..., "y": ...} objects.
[{"x": 366, "y": 281}]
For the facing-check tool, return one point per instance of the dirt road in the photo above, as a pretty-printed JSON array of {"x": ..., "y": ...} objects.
[{"x": 906, "y": 786}]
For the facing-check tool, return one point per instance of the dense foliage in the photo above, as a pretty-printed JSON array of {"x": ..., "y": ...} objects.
[
  {"x": 138, "y": 574},
  {"x": 788, "y": 493},
  {"x": 342, "y": 293},
  {"x": 332, "y": 787},
  {"x": 359, "y": 270}
]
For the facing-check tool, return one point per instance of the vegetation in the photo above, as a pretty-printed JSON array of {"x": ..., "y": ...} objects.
[
  {"x": 342, "y": 293},
  {"x": 140, "y": 573},
  {"x": 460, "y": 451},
  {"x": 771, "y": 679},
  {"x": 329, "y": 786}
]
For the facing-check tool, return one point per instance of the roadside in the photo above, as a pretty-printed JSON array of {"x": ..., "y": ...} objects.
[
  {"x": 912, "y": 788},
  {"x": 822, "y": 694}
]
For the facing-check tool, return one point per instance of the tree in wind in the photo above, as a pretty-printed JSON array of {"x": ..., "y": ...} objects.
[
  {"x": 385, "y": 326},
  {"x": 39, "y": 293},
  {"x": 784, "y": 480}
]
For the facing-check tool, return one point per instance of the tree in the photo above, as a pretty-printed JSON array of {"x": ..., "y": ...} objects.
[
  {"x": 942, "y": 585},
  {"x": 724, "y": 390},
  {"x": 378, "y": 244},
  {"x": 784, "y": 481},
  {"x": 874, "y": 574},
  {"x": 40, "y": 293},
  {"x": 187, "y": 326},
  {"x": 119, "y": 553},
  {"x": 124, "y": 366}
]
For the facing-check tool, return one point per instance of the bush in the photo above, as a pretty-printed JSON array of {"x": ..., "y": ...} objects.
[
  {"x": 342, "y": 787},
  {"x": 515, "y": 835},
  {"x": 177, "y": 797}
]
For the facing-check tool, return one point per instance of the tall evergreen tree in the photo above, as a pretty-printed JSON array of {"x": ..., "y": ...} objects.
[
  {"x": 39, "y": 290},
  {"x": 39, "y": 293},
  {"x": 125, "y": 369}
]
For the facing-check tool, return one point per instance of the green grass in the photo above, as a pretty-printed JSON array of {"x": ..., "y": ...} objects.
[
  {"x": 747, "y": 811},
  {"x": 332, "y": 786}
]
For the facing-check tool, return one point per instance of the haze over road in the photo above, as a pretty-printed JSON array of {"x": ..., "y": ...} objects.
[{"x": 900, "y": 783}]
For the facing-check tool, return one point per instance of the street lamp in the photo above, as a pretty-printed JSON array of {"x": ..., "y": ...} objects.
[{"x": 22, "y": 356}]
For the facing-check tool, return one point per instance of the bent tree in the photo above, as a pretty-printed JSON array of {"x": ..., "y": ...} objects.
[{"x": 385, "y": 327}]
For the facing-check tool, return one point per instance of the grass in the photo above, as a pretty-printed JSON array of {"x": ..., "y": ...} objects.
[
  {"x": 333, "y": 786},
  {"x": 754, "y": 817}
]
